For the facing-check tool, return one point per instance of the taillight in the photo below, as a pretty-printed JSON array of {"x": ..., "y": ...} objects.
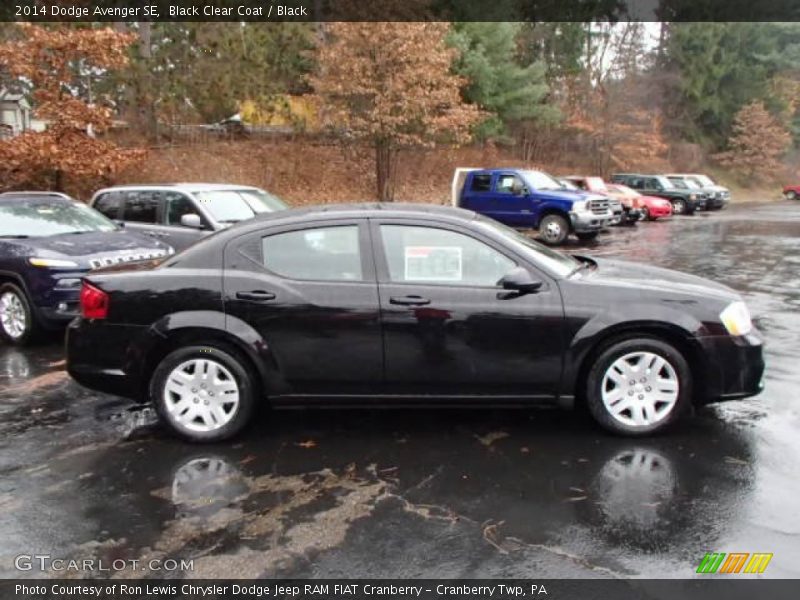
[{"x": 94, "y": 302}]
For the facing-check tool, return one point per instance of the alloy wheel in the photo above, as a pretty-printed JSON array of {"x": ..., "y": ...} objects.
[
  {"x": 201, "y": 395},
  {"x": 640, "y": 389},
  {"x": 679, "y": 207},
  {"x": 13, "y": 318},
  {"x": 553, "y": 231}
]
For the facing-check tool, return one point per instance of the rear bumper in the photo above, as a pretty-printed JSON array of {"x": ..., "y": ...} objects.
[
  {"x": 589, "y": 221},
  {"x": 99, "y": 357},
  {"x": 735, "y": 367}
]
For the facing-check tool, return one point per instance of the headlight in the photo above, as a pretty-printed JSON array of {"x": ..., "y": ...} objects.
[
  {"x": 52, "y": 263},
  {"x": 736, "y": 318},
  {"x": 579, "y": 206}
]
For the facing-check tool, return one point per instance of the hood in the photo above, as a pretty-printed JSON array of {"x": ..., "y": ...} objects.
[
  {"x": 657, "y": 199},
  {"x": 95, "y": 242},
  {"x": 621, "y": 273},
  {"x": 95, "y": 248},
  {"x": 569, "y": 195}
]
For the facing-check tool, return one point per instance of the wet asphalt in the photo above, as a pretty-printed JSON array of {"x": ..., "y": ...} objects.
[{"x": 531, "y": 493}]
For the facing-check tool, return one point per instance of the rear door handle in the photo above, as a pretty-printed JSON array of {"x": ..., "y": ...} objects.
[
  {"x": 256, "y": 295},
  {"x": 409, "y": 300}
]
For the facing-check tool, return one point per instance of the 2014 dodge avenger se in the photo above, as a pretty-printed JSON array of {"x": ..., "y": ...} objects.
[{"x": 402, "y": 304}]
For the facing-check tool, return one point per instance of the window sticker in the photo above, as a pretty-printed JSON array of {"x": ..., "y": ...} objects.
[{"x": 433, "y": 263}]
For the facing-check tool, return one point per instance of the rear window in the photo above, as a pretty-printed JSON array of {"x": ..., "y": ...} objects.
[{"x": 232, "y": 206}]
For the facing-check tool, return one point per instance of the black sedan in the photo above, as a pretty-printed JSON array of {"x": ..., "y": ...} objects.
[{"x": 403, "y": 304}]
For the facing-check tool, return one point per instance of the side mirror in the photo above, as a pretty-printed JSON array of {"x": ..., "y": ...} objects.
[
  {"x": 191, "y": 220},
  {"x": 520, "y": 280}
]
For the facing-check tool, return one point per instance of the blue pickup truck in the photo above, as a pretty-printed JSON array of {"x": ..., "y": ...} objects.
[{"x": 531, "y": 199}]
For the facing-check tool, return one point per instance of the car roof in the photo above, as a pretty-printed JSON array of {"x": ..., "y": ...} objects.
[{"x": 189, "y": 187}]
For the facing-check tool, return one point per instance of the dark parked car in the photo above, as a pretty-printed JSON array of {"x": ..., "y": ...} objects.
[
  {"x": 182, "y": 213},
  {"x": 684, "y": 201},
  {"x": 718, "y": 196},
  {"x": 406, "y": 305},
  {"x": 47, "y": 242}
]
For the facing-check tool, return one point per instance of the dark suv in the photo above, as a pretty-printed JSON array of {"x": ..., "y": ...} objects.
[
  {"x": 47, "y": 242},
  {"x": 684, "y": 201}
]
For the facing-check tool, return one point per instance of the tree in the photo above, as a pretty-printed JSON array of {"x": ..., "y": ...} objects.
[
  {"x": 390, "y": 85},
  {"x": 716, "y": 68},
  {"x": 757, "y": 143},
  {"x": 497, "y": 82},
  {"x": 54, "y": 63}
]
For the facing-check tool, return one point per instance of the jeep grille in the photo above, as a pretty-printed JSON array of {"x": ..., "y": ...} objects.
[{"x": 107, "y": 261}]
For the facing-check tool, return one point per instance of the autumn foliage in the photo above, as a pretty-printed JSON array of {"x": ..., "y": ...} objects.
[
  {"x": 390, "y": 85},
  {"x": 757, "y": 143},
  {"x": 54, "y": 61}
]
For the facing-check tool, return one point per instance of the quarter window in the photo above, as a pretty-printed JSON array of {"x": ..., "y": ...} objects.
[
  {"x": 431, "y": 255},
  {"x": 141, "y": 207},
  {"x": 325, "y": 253}
]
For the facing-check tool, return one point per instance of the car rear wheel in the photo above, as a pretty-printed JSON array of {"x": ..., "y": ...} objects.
[
  {"x": 678, "y": 206},
  {"x": 18, "y": 324},
  {"x": 646, "y": 214},
  {"x": 638, "y": 386},
  {"x": 203, "y": 393},
  {"x": 554, "y": 230}
]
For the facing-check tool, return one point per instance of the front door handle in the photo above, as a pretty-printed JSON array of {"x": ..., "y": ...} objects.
[
  {"x": 256, "y": 295},
  {"x": 156, "y": 233},
  {"x": 409, "y": 300}
]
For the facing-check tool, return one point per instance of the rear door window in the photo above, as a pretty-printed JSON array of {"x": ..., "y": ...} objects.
[
  {"x": 319, "y": 254},
  {"x": 109, "y": 204},
  {"x": 141, "y": 207},
  {"x": 481, "y": 183}
]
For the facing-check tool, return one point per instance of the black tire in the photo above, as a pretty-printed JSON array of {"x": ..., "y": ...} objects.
[
  {"x": 586, "y": 236},
  {"x": 629, "y": 346},
  {"x": 32, "y": 329},
  {"x": 791, "y": 195},
  {"x": 235, "y": 365},
  {"x": 679, "y": 207},
  {"x": 554, "y": 229},
  {"x": 646, "y": 215}
]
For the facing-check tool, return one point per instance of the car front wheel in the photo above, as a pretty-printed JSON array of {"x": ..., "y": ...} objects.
[
  {"x": 203, "y": 393},
  {"x": 554, "y": 230},
  {"x": 638, "y": 386},
  {"x": 678, "y": 207},
  {"x": 17, "y": 321},
  {"x": 791, "y": 195}
]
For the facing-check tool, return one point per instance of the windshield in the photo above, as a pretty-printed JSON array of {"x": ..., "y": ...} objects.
[
  {"x": 703, "y": 180},
  {"x": 46, "y": 217},
  {"x": 232, "y": 206},
  {"x": 665, "y": 182},
  {"x": 551, "y": 260},
  {"x": 687, "y": 182},
  {"x": 541, "y": 181},
  {"x": 678, "y": 183},
  {"x": 623, "y": 189},
  {"x": 568, "y": 185}
]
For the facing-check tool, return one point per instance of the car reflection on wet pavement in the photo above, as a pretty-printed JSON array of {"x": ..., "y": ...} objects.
[{"x": 427, "y": 493}]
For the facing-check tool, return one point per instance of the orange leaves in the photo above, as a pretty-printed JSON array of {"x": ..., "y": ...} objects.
[
  {"x": 757, "y": 143},
  {"x": 392, "y": 81},
  {"x": 53, "y": 61}
]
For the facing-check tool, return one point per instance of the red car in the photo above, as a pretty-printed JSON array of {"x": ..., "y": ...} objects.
[
  {"x": 652, "y": 207},
  {"x": 791, "y": 192}
]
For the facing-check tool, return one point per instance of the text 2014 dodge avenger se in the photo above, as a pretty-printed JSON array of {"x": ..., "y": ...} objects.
[{"x": 406, "y": 305}]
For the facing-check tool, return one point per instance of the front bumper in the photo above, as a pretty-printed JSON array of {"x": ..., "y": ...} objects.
[
  {"x": 589, "y": 221},
  {"x": 735, "y": 366},
  {"x": 717, "y": 202}
]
